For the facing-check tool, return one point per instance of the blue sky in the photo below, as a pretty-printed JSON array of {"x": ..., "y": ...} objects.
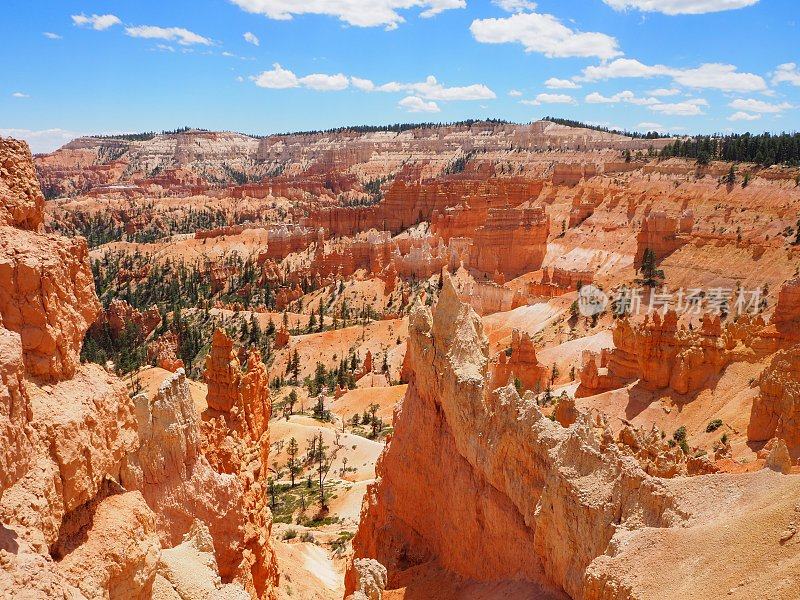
[{"x": 73, "y": 67}]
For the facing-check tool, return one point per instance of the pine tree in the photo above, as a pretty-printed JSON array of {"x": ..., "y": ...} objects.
[
  {"x": 652, "y": 276},
  {"x": 293, "y": 464}
]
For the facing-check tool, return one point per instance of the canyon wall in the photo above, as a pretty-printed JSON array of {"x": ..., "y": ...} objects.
[
  {"x": 478, "y": 485},
  {"x": 506, "y": 504},
  {"x": 95, "y": 486}
]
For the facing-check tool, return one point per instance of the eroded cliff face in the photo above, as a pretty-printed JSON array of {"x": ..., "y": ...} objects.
[
  {"x": 776, "y": 411},
  {"x": 481, "y": 483},
  {"x": 95, "y": 485},
  {"x": 477, "y": 484},
  {"x": 68, "y": 530}
]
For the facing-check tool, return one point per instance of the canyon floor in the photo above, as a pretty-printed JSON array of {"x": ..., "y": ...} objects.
[{"x": 473, "y": 361}]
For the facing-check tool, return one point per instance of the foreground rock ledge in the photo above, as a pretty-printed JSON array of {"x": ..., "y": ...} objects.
[{"x": 478, "y": 488}]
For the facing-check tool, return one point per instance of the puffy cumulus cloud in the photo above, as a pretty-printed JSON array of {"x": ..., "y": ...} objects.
[
  {"x": 786, "y": 73},
  {"x": 718, "y": 76},
  {"x": 514, "y": 93},
  {"x": 415, "y": 104},
  {"x": 660, "y": 92},
  {"x": 743, "y": 116},
  {"x": 688, "y": 108},
  {"x": 554, "y": 83},
  {"x": 550, "y": 99},
  {"x": 365, "y": 85},
  {"x": 97, "y": 22},
  {"x": 680, "y": 7},
  {"x": 726, "y": 78},
  {"x": 251, "y": 38},
  {"x": 649, "y": 126},
  {"x": 182, "y": 36},
  {"x": 43, "y": 140},
  {"x": 759, "y": 106},
  {"x": 325, "y": 83},
  {"x": 276, "y": 79},
  {"x": 627, "y": 96},
  {"x": 544, "y": 34},
  {"x": 19, "y": 95},
  {"x": 515, "y": 6},
  {"x": 430, "y": 89},
  {"x": 622, "y": 68},
  {"x": 360, "y": 13}
]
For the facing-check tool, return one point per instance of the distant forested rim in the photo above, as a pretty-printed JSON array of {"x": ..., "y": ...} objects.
[
  {"x": 764, "y": 149},
  {"x": 650, "y": 135},
  {"x": 146, "y": 135},
  {"x": 395, "y": 128}
]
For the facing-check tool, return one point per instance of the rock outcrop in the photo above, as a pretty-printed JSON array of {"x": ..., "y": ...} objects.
[
  {"x": 235, "y": 441},
  {"x": 519, "y": 363},
  {"x": 95, "y": 485},
  {"x": 776, "y": 411},
  {"x": 68, "y": 530},
  {"x": 479, "y": 484},
  {"x": 662, "y": 234},
  {"x": 513, "y": 241},
  {"x": 22, "y": 200},
  {"x": 521, "y": 512},
  {"x": 663, "y": 355}
]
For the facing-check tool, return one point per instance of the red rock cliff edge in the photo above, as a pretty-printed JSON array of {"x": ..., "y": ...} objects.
[
  {"x": 477, "y": 485},
  {"x": 96, "y": 487}
]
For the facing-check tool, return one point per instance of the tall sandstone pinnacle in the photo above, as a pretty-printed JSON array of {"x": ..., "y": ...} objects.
[
  {"x": 96, "y": 487},
  {"x": 479, "y": 486},
  {"x": 235, "y": 437}
]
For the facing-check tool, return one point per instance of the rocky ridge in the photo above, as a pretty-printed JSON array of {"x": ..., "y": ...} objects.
[{"x": 96, "y": 485}]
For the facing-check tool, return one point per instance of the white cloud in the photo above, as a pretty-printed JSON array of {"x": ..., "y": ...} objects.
[
  {"x": 717, "y": 76},
  {"x": 325, "y": 83},
  {"x": 544, "y": 34},
  {"x": 365, "y": 85},
  {"x": 623, "y": 68},
  {"x": 430, "y": 89},
  {"x": 514, "y": 93},
  {"x": 98, "y": 22},
  {"x": 415, "y": 104},
  {"x": 20, "y": 95},
  {"x": 554, "y": 83},
  {"x": 361, "y": 13},
  {"x": 51, "y": 36},
  {"x": 45, "y": 140},
  {"x": 688, "y": 108},
  {"x": 515, "y": 6},
  {"x": 660, "y": 92},
  {"x": 648, "y": 126},
  {"x": 166, "y": 48},
  {"x": 627, "y": 96},
  {"x": 743, "y": 116},
  {"x": 276, "y": 79},
  {"x": 786, "y": 73},
  {"x": 550, "y": 99},
  {"x": 680, "y": 7},
  {"x": 177, "y": 34},
  {"x": 759, "y": 106},
  {"x": 251, "y": 38}
]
